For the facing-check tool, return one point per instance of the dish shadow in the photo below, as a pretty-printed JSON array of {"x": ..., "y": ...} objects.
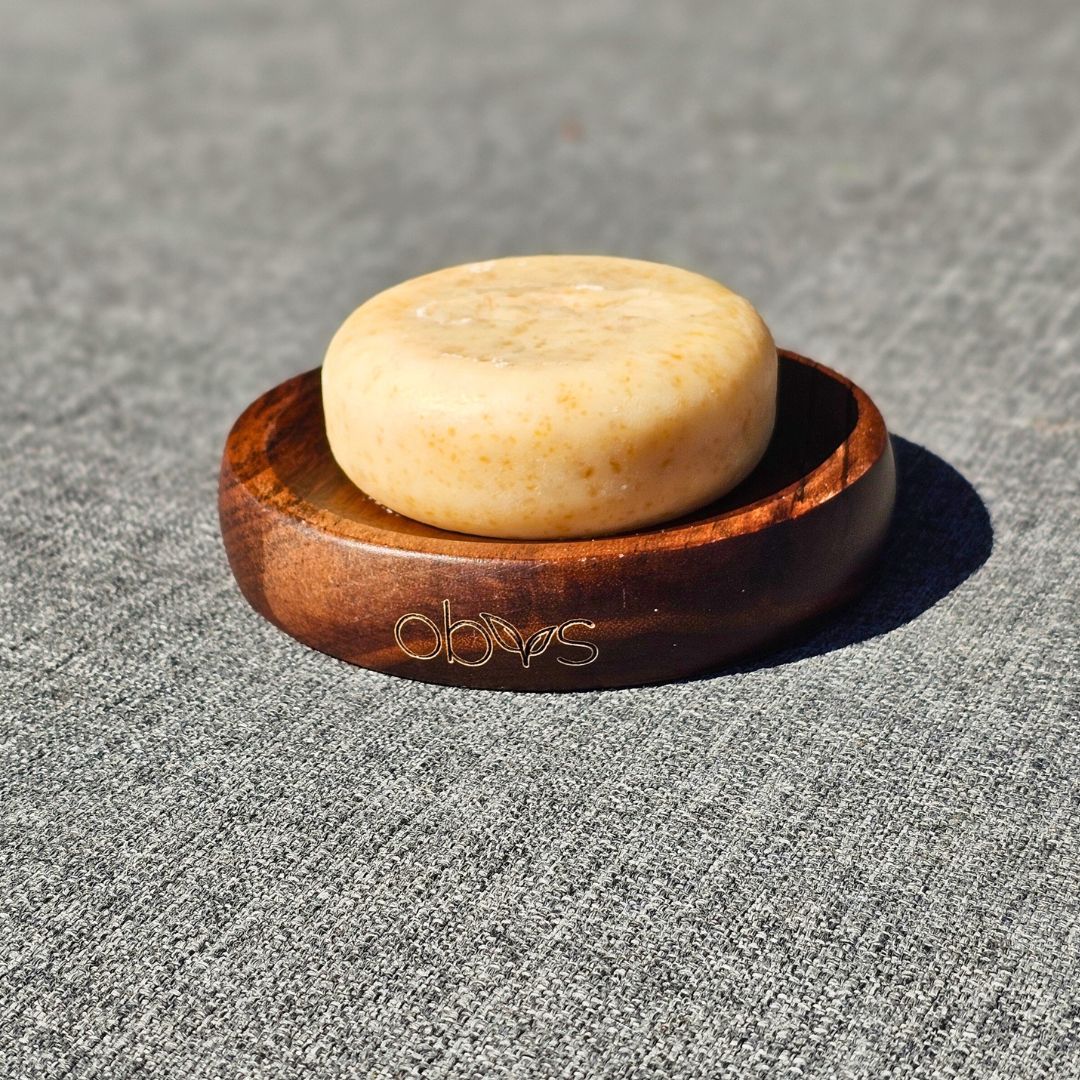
[{"x": 940, "y": 535}]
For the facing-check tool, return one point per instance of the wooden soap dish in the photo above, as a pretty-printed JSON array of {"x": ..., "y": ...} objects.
[{"x": 342, "y": 574}]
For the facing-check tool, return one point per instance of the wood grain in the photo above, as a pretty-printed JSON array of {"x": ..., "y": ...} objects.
[{"x": 340, "y": 573}]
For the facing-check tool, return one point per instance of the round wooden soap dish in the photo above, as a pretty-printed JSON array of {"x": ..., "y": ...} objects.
[{"x": 342, "y": 574}]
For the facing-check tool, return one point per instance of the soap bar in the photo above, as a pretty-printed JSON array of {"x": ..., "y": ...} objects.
[{"x": 550, "y": 397}]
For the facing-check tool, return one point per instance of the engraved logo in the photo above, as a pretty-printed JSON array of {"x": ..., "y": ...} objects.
[{"x": 472, "y": 642}]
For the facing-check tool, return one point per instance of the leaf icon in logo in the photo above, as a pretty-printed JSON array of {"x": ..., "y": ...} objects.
[
  {"x": 537, "y": 643},
  {"x": 505, "y": 633},
  {"x": 508, "y": 637}
]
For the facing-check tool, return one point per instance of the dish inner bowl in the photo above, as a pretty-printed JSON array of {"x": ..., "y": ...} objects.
[{"x": 815, "y": 414}]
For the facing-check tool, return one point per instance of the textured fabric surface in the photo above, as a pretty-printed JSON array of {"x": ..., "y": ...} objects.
[{"x": 226, "y": 856}]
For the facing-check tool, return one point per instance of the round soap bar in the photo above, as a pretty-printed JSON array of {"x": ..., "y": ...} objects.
[{"x": 550, "y": 396}]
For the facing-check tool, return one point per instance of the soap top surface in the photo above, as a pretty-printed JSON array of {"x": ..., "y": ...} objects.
[{"x": 550, "y": 311}]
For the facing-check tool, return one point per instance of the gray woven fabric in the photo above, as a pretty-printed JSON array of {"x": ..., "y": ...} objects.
[{"x": 227, "y": 856}]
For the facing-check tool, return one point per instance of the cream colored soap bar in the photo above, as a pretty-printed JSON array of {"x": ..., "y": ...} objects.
[{"x": 550, "y": 396}]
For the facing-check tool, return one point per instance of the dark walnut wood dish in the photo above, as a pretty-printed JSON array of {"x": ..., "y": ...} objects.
[{"x": 342, "y": 574}]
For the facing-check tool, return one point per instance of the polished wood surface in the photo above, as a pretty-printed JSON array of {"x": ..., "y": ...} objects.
[{"x": 344, "y": 575}]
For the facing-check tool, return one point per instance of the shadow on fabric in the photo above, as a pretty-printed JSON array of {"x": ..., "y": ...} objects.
[{"x": 940, "y": 535}]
